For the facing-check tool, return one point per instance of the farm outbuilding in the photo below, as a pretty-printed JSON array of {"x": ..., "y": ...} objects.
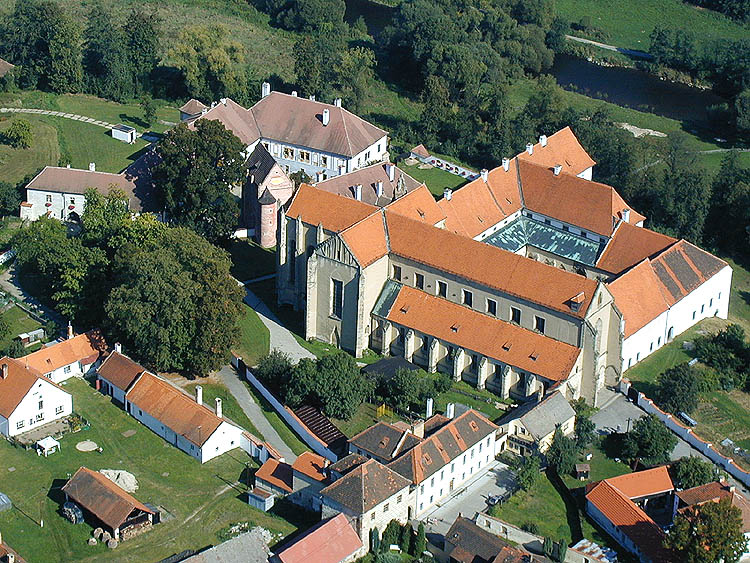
[{"x": 124, "y": 133}]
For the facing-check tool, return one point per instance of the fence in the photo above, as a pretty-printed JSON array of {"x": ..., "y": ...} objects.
[
  {"x": 689, "y": 436},
  {"x": 289, "y": 417}
]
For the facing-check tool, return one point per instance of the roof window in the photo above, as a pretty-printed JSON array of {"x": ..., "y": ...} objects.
[
  {"x": 384, "y": 441},
  {"x": 474, "y": 426}
]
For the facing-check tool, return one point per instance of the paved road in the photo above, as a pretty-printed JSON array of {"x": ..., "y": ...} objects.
[
  {"x": 280, "y": 337},
  {"x": 630, "y": 52},
  {"x": 469, "y": 499},
  {"x": 254, "y": 413}
]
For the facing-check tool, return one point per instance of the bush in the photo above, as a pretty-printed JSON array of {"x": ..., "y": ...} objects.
[
  {"x": 274, "y": 368},
  {"x": 678, "y": 389},
  {"x": 528, "y": 472},
  {"x": 530, "y": 527},
  {"x": 19, "y": 135}
]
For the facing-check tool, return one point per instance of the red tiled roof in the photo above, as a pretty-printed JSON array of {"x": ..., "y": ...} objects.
[
  {"x": 120, "y": 370},
  {"x": 500, "y": 340},
  {"x": 489, "y": 266},
  {"x": 643, "y": 483},
  {"x": 562, "y": 148},
  {"x": 714, "y": 492},
  {"x": 20, "y": 380},
  {"x": 85, "y": 348},
  {"x": 367, "y": 240},
  {"x": 639, "y": 296},
  {"x": 631, "y": 520},
  {"x": 420, "y": 205},
  {"x": 173, "y": 408},
  {"x": 631, "y": 245},
  {"x": 277, "y": 473},
  {"x": 330, "y": 541},
  {"x": 366, "y": 486},
  {"x": 311, "y": 465},
  {"x": 334, "y": 212},
  {"x": 103, "y": 498}
]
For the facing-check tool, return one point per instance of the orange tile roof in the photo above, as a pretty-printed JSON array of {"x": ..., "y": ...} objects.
[
  {"x": 562, "y": 148},
  {"x": 683, "y": 267},
  {"x": 643, "y": 483},
  {"x": 312, "y": 465},
  {"x": 590, "y": 205},
  {"x": 639, "y": 296},
  {"x": 366, "y": 486},
  {"x": 85, "y": 348},
  {"x": 714, "y": 492},
  {"x": 277, "y": 473},
  {"x": 420, "y": 205},
  {"x": 173, "y": 408},
  {"x": 20, "y": 380},
  {"x": 630, "y": 520},
  {"x": 367, "y": 239},
  {"x": 630, "y": 245},
  {"x": 500, "y": 340},
  {"x": 333, "y": 211},
  {"x": 489, "y": 266},
  {"x": 471, "y": 210},
  {"x": 96, "y": 493},
  {"x": 330, "y": 541},
  {"x": 120, "y": 370}
]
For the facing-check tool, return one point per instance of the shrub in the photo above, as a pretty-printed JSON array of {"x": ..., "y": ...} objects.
[
  {"x": 19, "y": 135},
  {"x": 530, "y": 527}
]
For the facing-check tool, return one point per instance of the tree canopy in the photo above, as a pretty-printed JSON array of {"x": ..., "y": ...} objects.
[
  {"x": 689, "y": 472},
  {"x": 649, "y": 441},
  {"x": 678, "y": 389},
  {"x": 562, "y": 453}
]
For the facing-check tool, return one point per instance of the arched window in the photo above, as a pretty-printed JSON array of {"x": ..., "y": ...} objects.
[{"x": 598, "y": 335}]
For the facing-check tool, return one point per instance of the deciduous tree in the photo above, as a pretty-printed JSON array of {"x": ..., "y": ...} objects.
[
  {"x": 19, "y": 134},
  {"x": 678, "y": 389},
  {"x": 689, "y": 472},
  {"x": 649, "y": 440}
]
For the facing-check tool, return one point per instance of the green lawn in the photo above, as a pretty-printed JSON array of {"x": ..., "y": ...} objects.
[
  {"x": 16, "y": 164},
  {"x": 8, "y": 227},
  {"x": 287, "y": 434},
  {"x": 19, "y": 322},
  {"x": 483, "y": 401},
  {"x": 435, "y": 179},
  {"x": 725, "y": 415},
  {"x": 250, "y": 260},
  {"x": 199, "y": 500},
  {"x": 739, "y": 299},
  {"x": 630, "y": 28},
  {"x": 365, "y": 417},
  {"x": 231, "y": 409},
  {"x": 602, "y": 467},
  {"x": 253, "y": 339}
]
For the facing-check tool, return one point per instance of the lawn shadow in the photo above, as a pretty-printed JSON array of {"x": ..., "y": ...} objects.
[
  {"x": 132, "y": 119},
  {"x": 572, "y": 511},
  {"x": 55, "y": 493},
  {"x": 296, "y": 515},
  {"x": 745, "y": 295},
  {"x": 612, "y": 445}
]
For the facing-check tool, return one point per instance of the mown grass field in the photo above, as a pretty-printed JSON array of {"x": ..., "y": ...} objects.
[
  {"x": 253, "y": 341},
  {"x": 16, "y": 164},
  {"x": 19, "y": 321},
  {"x": 435, "y": 179},
  {"x": 199, "y": 501},
  {"x": 628, "y": 25}
]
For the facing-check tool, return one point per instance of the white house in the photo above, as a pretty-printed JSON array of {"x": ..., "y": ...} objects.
[
  {"x": 664, "y": 296},
  {"x": 74, "y": 357},
  {"x": 324, "y": 140},
  {"x": 28, "y": 399},
  {"x": 183, "y": 422}
]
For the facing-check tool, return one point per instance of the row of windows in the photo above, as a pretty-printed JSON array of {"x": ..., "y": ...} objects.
[
  {"x": 49, "y": 199},
  {"x": 38, "y": 418},
  {"x": 300, "y": 155},
  {"x": 467, "y": 298},
  {"x": 386, "y": 506}
]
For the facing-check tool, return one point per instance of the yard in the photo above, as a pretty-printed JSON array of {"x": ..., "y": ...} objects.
[
  {"x": 199, "y": 500},
  {"x": 19, "y": 322},
  {"x": 250, "y": 261},
  {"x": 462, "y": 392},
  {"x": 436, "y": 179},
  {"x": 253, "y": 340},
  {"x": 285, "y": 432}
]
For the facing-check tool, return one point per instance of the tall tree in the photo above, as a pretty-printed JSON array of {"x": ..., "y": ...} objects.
[
  {"x": 561, "y": 455},
  {"x": 175, "y": 302},
  {"x": 678, "y": 389},
  {"x": 195, "y": 177},
  {"x": 354, "y": 75},
  {"x": 316, "y": 55},
  {"x": 103, "y": 215},
  {"x": 728, "y": 219},
  {"x": 689, "y": 472},
  {"x": 649, "y": 440},
  {"x": 143, "y": 33},
  {"x": 105, "y": 57},
  {"x": 210, "y": 61},
  {"x": 707, "y": 533}
]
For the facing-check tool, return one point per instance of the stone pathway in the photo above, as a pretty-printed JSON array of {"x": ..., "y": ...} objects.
[
  {"x": 53, "y": 113},
  {"x": 254, "y": 413},
  {"x": 280, "y": 337}
]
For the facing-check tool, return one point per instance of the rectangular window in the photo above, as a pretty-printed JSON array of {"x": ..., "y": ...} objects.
[
  {"x": 421, "y": 490},
  {"x": 40, "y": 417},
  {"x": 20, "y": 424},
  {"x": 379, "y": 148},
  {"x": 66, "y": 369},
  {"x": 367, "y": 156},
  {"x": 539, "y": 323},
  {"x": 49, "y": 198},
  {"x": 396, "y": 273},
  {"x": 492, "y": 307},
  {"x": 292, "y": 261},
  {"x": 432, "y": 482},
  {"x": 304, "y": 156},
  {"x": 442, "y": 289},
  {"x": 474, "y": 367},
  {"x": 468, "y": 298},
  {"x": 385, "y": 507},
  {"x": 337, "y": 298},
  {"x": 651, "y": 347},
  {"x": 419, "y": 281},
  {"x": 41, "y": 405},
  {"x": 431, "y": 497},
  {"x": 372, "y": 516},
  {"x": 72, "y": 201},
  {"x": 694, "y": 314},
  {"x": 515, "y": 315},
  {"x": 315, "y": 158},
  {"x": 453, "y": 466},
  {"x": 275, "y": 149},
  {"x": 288, "y": 153},
  {"x": 324, "y": 161},
  {"x": 399, "y": 498},
  {"x": 58, "y": 410},
  {"x": 703, "y": 307}
]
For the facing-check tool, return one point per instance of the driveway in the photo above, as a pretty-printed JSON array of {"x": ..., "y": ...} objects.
[
  {"x": 253, "y": 411},
  {"x": 619, "y": 414},
  {"x": 470, "y": 499}
]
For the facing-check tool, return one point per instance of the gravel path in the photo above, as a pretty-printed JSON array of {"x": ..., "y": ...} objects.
[{"x": 63, "y": 114}]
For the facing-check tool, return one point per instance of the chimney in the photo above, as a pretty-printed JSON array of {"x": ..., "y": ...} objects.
[
  {"x": 732, "y": 488},
  {"x": 506, "y": 164},
  {"x": 294, "y": 93},
  {"x": 450, "y": 410},
  {"x": 265, "y": 89},
  {"x": 219, "y": 412},
  {"x": 430, "y": 406},
  {"x": 484, "y": 174},
  {"x": 530, "y": 148},
  {"x": 391, "y": 169},
  {"x": 358, "y": 192},
  {"x": 67, "y": 165},
  {"x": 118, "y": 347},
  {"x": 92, "y": 166},
  {"x": 337, "y": 102},
  {"x": 199, "y": 394},
  {"x": 557, "y": 169},
  {"x": 447, "y": 194},
  {"x": 70, "y": 331},
  {"x": 312, "y": 98},
  {"x": 543, "y": 140},
  {"x": 5, "y": 371},
  {"x": 379, "y": 188},
  {"x": 418, "y": 429},
  {"x": 326, "y": 117},
  {"x": 626, "y": 215},
  {"x": 224, "y": 101},
  {"x": 318, "y": 177}
]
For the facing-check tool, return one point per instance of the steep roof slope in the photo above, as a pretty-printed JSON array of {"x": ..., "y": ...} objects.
[
  {"x": 235, "y": 118},
  {"x": 17, "y": 384},
  {"x": 75, "y": 181},
  {"x": 562, "y": 148},
  {"x": 85, "y": 348},
  {"x": 120, "y": 370},
  {"x": 683, "y": 267},
  {"x": 419, "y": 205},
  {"x": 329, "y": 541},
  {"x": 639, "y": 296},
  {"x": 631, "y": 245},
  {"x": 368, "y": 177},
  {"x": 367, "y": 239},
  {"x": 365, "y": 487},
  {"x": 334, "y": 212}
]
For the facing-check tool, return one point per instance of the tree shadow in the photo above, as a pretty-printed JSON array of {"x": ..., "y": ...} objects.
[
  {"x": 132, "y": 119},
  {"x": 572, "y": 511}
]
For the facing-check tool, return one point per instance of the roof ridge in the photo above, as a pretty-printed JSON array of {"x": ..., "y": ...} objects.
[{"x": 346, "y": 131}]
